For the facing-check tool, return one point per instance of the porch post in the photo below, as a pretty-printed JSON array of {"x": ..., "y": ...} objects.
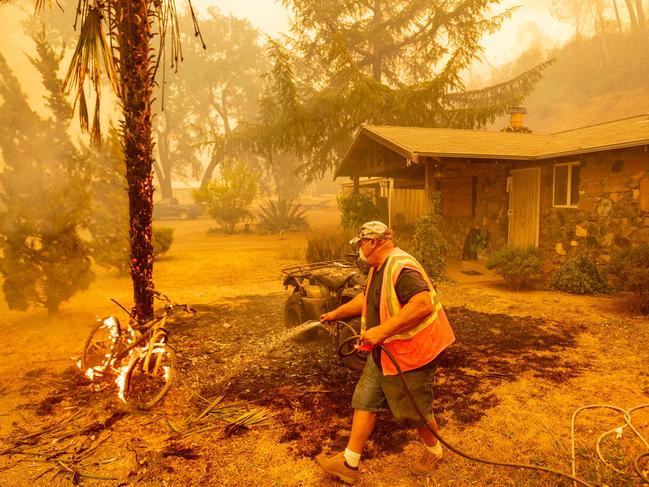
[
  {"x": 427, "y": 173},
  {"x": 391, "y": 187}
]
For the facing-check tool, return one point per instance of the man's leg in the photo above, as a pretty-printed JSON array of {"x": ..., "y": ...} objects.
[
  {"x": 346, "y": 469},
  {"x": 433, "y": 452},
  {"x": 368, "y": 398},
  {"x": 427, "y": 437},
  {"x": 420, "y": 385},
  {"x": 362, "y": 427}
]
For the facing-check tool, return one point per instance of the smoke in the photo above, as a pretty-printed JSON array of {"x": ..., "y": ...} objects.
[{"x": 16, "y": 46}]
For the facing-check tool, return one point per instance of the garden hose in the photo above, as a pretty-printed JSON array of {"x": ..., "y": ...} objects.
[{"x": 448, "y": 445}]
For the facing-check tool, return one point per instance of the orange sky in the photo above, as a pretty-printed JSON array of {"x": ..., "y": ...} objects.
[{"x": 531, "y": 23}]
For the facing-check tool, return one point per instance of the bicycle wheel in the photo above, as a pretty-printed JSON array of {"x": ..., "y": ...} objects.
[
  {"x": 100, "y": 347},
  {"x": 146, "y": 384}
]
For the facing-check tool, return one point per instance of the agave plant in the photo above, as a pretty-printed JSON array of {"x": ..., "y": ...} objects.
[{"x": 282, "y": 215}]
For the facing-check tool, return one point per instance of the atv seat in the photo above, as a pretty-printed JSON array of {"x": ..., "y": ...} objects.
[{"x": 334, "y": 282}]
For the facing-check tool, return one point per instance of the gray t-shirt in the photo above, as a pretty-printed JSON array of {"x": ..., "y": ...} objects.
[{"x": 409, "y": 283}]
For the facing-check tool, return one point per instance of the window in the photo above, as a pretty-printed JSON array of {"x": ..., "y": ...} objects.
[{"x": 566, "y": 185}]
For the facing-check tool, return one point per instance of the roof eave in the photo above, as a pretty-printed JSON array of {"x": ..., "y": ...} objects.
[
  {"x": 442, "y": 155},
  {"x": 366, "y": 130},
  {"x": 589, "y": 150}
]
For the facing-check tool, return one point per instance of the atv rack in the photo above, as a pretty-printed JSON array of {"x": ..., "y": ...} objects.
[{"x": 307, "y": 270}]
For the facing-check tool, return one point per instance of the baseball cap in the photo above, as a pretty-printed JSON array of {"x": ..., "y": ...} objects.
[{"x": 373, "y": 229}]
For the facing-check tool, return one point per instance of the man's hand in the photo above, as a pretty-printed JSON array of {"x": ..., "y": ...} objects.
[
  {"x": 328, "y": 317},
  {"x": 374, "y": 336}
]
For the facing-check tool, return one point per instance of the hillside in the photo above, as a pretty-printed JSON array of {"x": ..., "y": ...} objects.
[{"x": 584, "y": 86}]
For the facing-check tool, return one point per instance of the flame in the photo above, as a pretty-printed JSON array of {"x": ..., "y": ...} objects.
[
  {"x": 135, "y": 355},
  {"x": 111, "y": 324},
  {"x": 127, "y": 338},
  {"x": 121, "y": 382},
  {"x": 122, "y": 372}
]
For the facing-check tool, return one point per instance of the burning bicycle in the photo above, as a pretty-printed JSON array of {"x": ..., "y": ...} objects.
[{"x": 137, "y": 354}]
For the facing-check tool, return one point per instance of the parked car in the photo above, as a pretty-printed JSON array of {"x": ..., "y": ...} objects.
[{"x": 170, "y": 208}]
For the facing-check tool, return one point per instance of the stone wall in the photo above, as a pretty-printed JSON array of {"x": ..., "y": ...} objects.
[
  {"x": 490, "y": 209},
  {"x": 612, "y": 212}
]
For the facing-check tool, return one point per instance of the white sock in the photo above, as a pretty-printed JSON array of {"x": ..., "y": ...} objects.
[
  {"x": 352, "y": 458},
  {"x": 436, "y": 449}
]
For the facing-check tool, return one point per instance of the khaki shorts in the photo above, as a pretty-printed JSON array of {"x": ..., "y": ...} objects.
[{"x": 377, "y": 392}]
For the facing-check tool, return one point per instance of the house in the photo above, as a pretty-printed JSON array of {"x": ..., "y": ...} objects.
[{"x": 585, "y": 189}]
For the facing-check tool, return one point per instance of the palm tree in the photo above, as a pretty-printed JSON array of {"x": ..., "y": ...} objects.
[{"x": 116, "y": 37}]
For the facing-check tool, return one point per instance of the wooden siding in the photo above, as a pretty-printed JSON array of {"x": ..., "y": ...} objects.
[{"x": 407, "y": 206}]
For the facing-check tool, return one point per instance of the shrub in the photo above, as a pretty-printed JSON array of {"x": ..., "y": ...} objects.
[
  {"x": 281, "y": 216},
  {"x": 428, "y": 244},
  {"x": 162, "y": 238},
  {"x": 517, "y": 265},
  {"x": 227, "y": 200},
  {"x": 44, "y": 195},
  {"x": 629, "y": 270},
  {"x": 321, "y": 246},
  {"x": 578, "y": 275},
  {"x": 356, "y": 209}
]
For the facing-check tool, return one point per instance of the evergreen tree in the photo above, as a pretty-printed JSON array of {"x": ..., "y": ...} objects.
[
  {"x": 44, "y": 192},
  {"x": 396, "y": 62}
]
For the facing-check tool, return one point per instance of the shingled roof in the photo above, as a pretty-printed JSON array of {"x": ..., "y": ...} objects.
[{"x": 415, "y": 142}]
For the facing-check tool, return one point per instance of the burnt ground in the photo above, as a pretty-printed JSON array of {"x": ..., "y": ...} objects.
[
  {"x": 235, "y": 349},
  {"x": 231, "y": 341}
]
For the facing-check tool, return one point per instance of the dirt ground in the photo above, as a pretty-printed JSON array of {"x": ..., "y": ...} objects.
[{"x": 523, "y": 363}]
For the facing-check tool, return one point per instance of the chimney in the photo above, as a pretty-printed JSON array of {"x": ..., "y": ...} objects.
[{"x": 516, "y": 115}]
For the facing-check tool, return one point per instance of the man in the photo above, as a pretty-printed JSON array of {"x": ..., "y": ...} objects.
[{"x": 400, "y": 311}]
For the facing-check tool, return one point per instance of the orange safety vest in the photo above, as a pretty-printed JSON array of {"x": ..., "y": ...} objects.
[{"x": 420, "y": 344}]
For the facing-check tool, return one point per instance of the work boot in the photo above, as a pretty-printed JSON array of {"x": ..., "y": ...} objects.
[
  {"x": 337, "y": 467},
  {"x": 426, "y": 463}
]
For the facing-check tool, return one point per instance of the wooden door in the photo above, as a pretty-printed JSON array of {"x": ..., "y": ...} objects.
[{"x": 524, "y": 206}]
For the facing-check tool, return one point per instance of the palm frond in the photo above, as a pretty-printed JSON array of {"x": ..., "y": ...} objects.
[{"x": 93, "y": 50}]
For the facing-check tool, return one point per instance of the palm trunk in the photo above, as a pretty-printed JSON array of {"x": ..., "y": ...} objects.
[{"x": 134, "y": 32}]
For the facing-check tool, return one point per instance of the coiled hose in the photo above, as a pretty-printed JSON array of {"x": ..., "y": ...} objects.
[{"x": 355, "y": 338}]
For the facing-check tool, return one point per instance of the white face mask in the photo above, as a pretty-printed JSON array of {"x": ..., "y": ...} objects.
[{"x": 361, "y": 255}]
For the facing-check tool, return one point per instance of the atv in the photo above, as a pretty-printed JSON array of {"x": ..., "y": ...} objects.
[{"x": 321, "y": 287}]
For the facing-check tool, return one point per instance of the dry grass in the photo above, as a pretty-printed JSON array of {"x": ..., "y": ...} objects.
[{"x": 528, "y": 419}]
